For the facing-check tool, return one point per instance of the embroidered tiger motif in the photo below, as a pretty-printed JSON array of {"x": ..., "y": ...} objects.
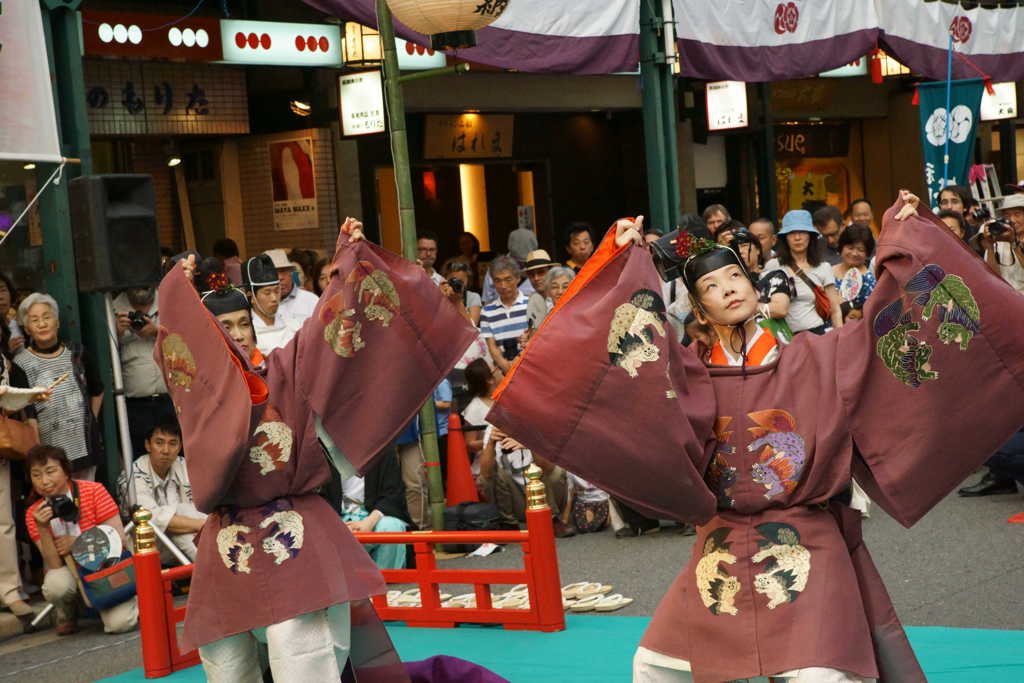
[
  {"x": 788, "y": 566},
  {"x": 273, "y": 445},
  {"x": 717, "y": 589},
  {"x": 286, "y": 535},
  {"x": 234, "y": 551}
]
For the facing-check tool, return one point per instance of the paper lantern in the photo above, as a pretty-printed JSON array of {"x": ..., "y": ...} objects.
[{"x": 449, "y": 23}]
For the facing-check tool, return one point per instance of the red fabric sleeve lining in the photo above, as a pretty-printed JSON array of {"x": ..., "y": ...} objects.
[{"x": 605, "y": 254}]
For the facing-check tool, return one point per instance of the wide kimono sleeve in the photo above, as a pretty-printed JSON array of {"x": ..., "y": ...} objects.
[
  {"x": 605, "y": 390},
  {"x": 218, "y": 398},
  {"x": 932, "y": 380},
  {"x": 381, "y": 338}
]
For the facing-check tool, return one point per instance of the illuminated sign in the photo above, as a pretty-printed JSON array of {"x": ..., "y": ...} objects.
[
  {"x": 361, "y": 103},
  {"x": 727, "y": 105},
  {"x": 128, "y": 34},
  {"x": 280, "y": 43},
  {"x": 1000, "y": 105}
]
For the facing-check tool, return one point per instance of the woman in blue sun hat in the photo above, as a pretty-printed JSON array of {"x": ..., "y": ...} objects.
[{"x": 798, "y": 256}]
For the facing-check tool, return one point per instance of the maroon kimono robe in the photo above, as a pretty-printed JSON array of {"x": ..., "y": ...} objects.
[
  {"x": 380, "y": 340},
  {"x": 911, "y": 400}
]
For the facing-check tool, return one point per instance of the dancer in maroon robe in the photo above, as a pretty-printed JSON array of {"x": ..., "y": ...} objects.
[
  {"x": 275, "y": 562},
  {"x": 761, "y": 455}
]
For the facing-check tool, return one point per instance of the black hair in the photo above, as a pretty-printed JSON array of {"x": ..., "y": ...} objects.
[
  {"x": 946, "y": 213},
  {"x": 476, "y": 241},
  {"x": 169, "y": 428},
  {"x": 858, "y": 232},
  {"x": 224, "y": 248},
  {"x": 962, "y": 192},
  {"x": 317, "y": 267},
  {"x": 786, "y": 256},
  {"x": 458, "y": 267},
  {"x": 478, "y": 377},
  {"x": 5, "y": 330},
  {"x": 40, "y": 455},
  {"x": 427, "y": 235},
  {"x": 858, "y": 201},
  {"x": 576, "y": 228},
  {"x": 823, "y": 215}
]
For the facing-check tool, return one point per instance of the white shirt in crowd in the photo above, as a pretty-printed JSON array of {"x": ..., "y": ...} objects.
[
  {"x": 514, "y": 462},
  {"x": 802, "y": 315},
  {"x": 270, "y": 337},
  {"x": 142, "y": 376},
  {"x": 1013, "y": 272},
  {"x": 585, "y": 492},
  {"x": 297, "y": 306}
]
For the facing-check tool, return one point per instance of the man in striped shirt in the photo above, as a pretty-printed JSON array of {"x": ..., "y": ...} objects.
[{"x": 504, "y": 321}]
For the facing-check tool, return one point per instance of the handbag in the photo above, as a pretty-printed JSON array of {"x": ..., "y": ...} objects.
[
  {"x": 822, "y": 304},
  {"x": 16, "y": 438},
  {"x": 113, "y": 585}
]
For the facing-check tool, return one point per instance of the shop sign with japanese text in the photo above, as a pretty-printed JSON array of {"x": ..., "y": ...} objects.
[
  {"x": 727, "y": 105},
  {"x": 293, "y": 182},
  {"x": 468, "y": 136},
  {"x": 361, "y": 103},
  {"x": 154, "y": 36},
  {"x": 162, "y": 98}
]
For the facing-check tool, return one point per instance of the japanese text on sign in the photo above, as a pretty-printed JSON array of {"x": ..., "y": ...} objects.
[
  {"x": 465, "y": 136},
  {"x": 727, "y": 105},
  {"x": 361, "y": 103}
]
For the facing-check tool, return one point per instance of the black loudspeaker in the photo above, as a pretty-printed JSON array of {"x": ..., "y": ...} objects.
[{"x": 113, "y": 219}]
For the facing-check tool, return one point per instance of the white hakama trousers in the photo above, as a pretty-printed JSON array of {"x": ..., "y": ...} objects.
[
  {"x": 653, "y": 667},
  {"x": 312, "y": 647}
]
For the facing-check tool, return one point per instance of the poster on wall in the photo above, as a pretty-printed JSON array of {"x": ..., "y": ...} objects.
[{"x": 294, "y": 184}]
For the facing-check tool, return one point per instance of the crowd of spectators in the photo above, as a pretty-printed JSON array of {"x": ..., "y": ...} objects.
[{"x": 815, "y": 270}]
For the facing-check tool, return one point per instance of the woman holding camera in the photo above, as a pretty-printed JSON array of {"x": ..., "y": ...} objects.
[{"x": 63, "y": 509}]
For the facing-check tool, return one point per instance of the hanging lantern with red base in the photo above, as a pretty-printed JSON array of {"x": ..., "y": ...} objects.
[{"x": 449, "y": 23}]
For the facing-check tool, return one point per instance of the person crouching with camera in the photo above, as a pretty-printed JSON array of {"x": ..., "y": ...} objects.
[
  {"x": 63, "y": 509},
  {"x": 1001, "y": 240}
]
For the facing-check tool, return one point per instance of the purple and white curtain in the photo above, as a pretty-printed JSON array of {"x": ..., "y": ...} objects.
[{"x": 746, "y": 40}]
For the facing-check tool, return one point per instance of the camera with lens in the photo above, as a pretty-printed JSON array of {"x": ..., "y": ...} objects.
[
  {"x": 456, "y": 285},
  {"x": 509, "y": 348},
  {"x": 137, "y": 320},
  {"x": 63, "y": 507},
  {"x": 996, "y": 228}
]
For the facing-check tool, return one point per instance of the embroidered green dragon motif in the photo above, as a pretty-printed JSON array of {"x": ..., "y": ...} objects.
[{"x": 946, "y": 297}]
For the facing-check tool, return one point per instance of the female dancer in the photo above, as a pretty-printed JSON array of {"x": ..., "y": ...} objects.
[{"x": 759, "y": 449}]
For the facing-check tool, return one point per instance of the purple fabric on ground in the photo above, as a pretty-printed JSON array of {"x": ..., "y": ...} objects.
[{"x": 445, "y": 669}]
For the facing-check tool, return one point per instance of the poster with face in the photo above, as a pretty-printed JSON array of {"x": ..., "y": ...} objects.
[{"x": 294, "y": 184}]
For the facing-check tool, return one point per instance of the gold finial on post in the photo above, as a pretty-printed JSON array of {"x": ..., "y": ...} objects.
[
  {"x": 536, "y": 495},
  {"x": 145, "y": 538}
]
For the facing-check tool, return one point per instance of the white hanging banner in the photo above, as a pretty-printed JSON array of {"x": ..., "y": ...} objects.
[{"x": 28, "y": 124}]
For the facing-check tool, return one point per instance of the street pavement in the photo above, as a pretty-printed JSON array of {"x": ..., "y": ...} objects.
[{"x": 961, "y": 566}]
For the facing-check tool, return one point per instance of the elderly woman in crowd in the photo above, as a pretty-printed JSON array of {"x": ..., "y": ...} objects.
[
  {"x": 853, "y": 279},
  {"x": 50, "y": 474},
  {"x": 69, "y": 419},
  {"x": 799, "y": 257}
]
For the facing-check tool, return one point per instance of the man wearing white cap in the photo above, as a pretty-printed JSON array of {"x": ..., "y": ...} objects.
[
  {"x": 1002, "y": 242},
  {"x": 297, "y": 304}
]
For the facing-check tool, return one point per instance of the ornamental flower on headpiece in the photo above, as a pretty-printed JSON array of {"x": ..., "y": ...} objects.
[
  {"x": 216, "y": 281},
  {"x": 688, "y": 246}
]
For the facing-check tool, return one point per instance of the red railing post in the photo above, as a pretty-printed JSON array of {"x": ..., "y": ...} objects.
[
  {"x": 156, "y": 647},
  {"x": 541, "y": 556}
]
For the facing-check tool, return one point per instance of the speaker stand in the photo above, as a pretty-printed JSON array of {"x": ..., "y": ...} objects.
[{"x": 119, "y": 402}]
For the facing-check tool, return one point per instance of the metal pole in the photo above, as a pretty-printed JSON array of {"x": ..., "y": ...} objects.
[
  {"x": 119, "y": 401},
  {"x": 407, "y": 218},
  {"x": 769, "y": 204},
  {"x": 659, "y": 155}
]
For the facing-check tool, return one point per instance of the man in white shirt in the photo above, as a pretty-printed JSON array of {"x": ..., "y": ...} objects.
[
  {"x": 296, "y": 304},
  {"x": 159, "y": 482},
  {"x": 273, "y": 329},
  {"x": 426, "y": 254},
  {"x": 1003, "y": 251}
]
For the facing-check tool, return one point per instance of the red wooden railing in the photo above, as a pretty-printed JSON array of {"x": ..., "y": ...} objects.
[{"x": 159, "y": 617}]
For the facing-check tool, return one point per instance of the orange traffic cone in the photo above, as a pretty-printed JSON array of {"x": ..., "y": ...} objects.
[{"x": 460, "y": 485}]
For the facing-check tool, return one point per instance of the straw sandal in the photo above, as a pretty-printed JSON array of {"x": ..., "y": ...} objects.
[
  {"x": 612, "y": 603},
  {"x": 466, "y": 600},
  {"x": 587, "y": 604},
  {"x": 593, "y": 589},
  {"x": 514, "y": 601}
]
